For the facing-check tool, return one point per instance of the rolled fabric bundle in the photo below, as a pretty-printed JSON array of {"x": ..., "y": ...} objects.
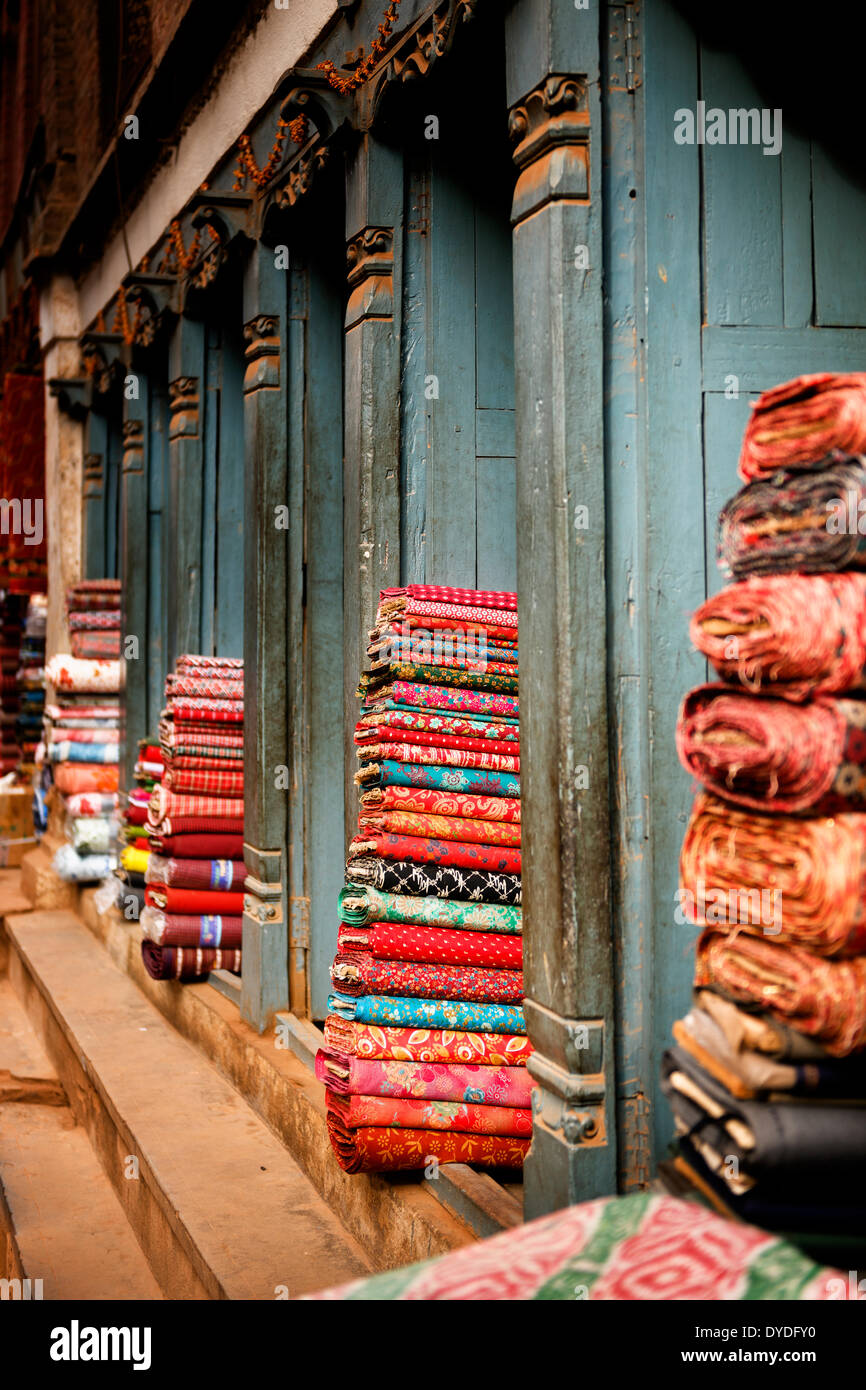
[
  {"x": 91, "y": 803},
  {"x": 346, "y": 1075},
  {"x": 490, "y": 832},
  {"x": 166, "y": 803},
  {"x": 425, "y": 850},
  {"x": 404, "y": 942},
  {"x": 66, "y": 751},
  {"x": 465, "y": 1016},
  {"x": 389, "y": 1150},
  {"x": 771, "y": 755},
  {"x": 101, "y": 645},
  {"x": 790, "y": 635},
  {"x": 430, "y": 755},
  {"x": 357, "y": 973},
  {"x": 79, "y": 600},
  {"x": 180, "y": 826},
  {"x": 440, "y": 803},
  {"x": 85, "y": 676},
  {"x": 194, "y": 661},
  {"x": 462, "y": 726},
  {"x": 441, "y": 593},
  {"x": 192, "y": 929},
  {"x": 211, "y": 685},
  {"x": 81, "y": 868},
  {"x": 216, "y": 874},
  {"x": 207, "y": 847},
  {"x": 193, "y": 900},
  {"x": 383, "y": 1043},
  {"x": 134, "y": 861},
  {"x": 86, "y": 777},
  {"x": 186, "y": 963},
  {"x": 460, "y": 1117},
  {"x": 798, "y": 881},
  {"x": 86, "y": 737},
  {"x": 361, "y": 906},
  {"x": 807, "y": 521},
  {"x": 472, "y": 781},
  {"x": 202, "y": 709},
  {"x": 401, "y": 694},
  {"x": 379, "y": 735},
  {"x": 440, "y": 880},
  {"x": 403, "y": 641},
  {"x": 95, "y": 619},
  {"x": 203, "y": 781},
  {"x": 798, "y": 423},
  {"x": 92, "y": 834},
  {"x": 825, "y": 999},
  {"x": 753, "y": 1032},
  {"x": 383, "y": 675},
  {"x": 212, "y": 760}
]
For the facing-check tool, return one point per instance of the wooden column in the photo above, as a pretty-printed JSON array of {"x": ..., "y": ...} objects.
[
  {"x": 186, "y": 370},
  {"x": 265, "y": 986},
  {"x": 133, "y": 571},
  {"x": 371, "y": 485},
  {"x": 553, "y": 85},
  {"x": 93, "y": 495}
]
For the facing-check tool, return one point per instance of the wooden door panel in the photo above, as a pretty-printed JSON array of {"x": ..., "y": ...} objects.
[{"x": 839, "y": 217}]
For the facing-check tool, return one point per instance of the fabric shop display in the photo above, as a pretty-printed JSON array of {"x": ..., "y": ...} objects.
[
  {"x": 425, "y": 1037},
  {"x": 766, "y": 1077}
]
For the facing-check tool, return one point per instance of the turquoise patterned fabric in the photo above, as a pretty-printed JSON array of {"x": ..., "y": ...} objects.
[
  {"x": 429, "y": 1013},
  {"x": 474, "y": 780}
]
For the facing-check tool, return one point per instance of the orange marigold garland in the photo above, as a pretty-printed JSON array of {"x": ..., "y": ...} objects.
[{"x": 340, "y": 81}]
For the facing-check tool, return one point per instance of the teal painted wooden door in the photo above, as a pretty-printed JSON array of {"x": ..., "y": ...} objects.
[{"x": 752, "y": 276}]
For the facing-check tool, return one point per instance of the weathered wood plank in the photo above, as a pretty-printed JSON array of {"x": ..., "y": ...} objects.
[
  {"x": 134, "y": 559},
  {"x": 186, "y": 367}
]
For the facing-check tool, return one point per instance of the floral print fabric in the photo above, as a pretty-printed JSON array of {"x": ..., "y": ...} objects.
[
  {"x": 441, "y": 697},
  {"x": 412, "y": 1113},
  {"x": 459, "y": 725},
  {"x": 381, "y": 1043},
  {"x": 382, "y": 1150},
  {"x": 443, "y": 827},
  {"x": 429, "y": 851},
  {"x": 443, "y": 881},
  {"x": 362, "y": 905},
  {"x": 473, "y": 781},
  {"x": 400, "y": 941},
  {"x": 469, "y": 1082},
  {"x": 447, "y": 756},
  {"x": 440, "y": 803},
  {"x": 429, "y": 1013},
  {"x": 358, "y": 973}
]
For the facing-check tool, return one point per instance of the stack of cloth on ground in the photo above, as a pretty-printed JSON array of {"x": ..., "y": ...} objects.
[
  {"x": 767, "y": 1077},
  {"x": 641, "y": 1247},
  {"x": 93, "y": 609},
  {"x": 31, "y": 683},
  {"x": 134, "y": 833},
  {"x": 82, "y": 746},
  {"x": 426, "y": 1044},
  {"x": 194, "y": 877},
  {"x": 13, "y": 608}
]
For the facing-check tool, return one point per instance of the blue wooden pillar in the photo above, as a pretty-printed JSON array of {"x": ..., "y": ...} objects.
[
  {"x": 553, "y": 94},
  {"x": 133, "y": 567},
  {"x": 93, "y": 495},
  {"x": 186, "y": 369},
  {"x": 371, "y": 484},
  {"x": 265, "y": 985}
]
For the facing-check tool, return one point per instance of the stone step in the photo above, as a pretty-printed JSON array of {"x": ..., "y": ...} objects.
[
  {"x": 62, "y": 1226},
  {"x": 219, "y": 1206}
]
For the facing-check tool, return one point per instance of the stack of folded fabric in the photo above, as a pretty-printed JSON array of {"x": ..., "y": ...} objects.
[
  {"x": 194, "y": 875},
  {"x": 12, "y": 612},
  {"x": 426, "y": 1045},
  {"x": 93, "y": 608},
  {"x": 82, "y": 744},
  {"x": 31, "y": 683},
  {"x": 767, "y": 1078},
  {"x": 134, "y": 835}
]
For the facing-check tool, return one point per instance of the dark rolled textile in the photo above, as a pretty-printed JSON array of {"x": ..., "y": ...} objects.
[
  {"x": 795, "y": 424},
  {"x": 440, "y": 881},
  {"x": 186, "y": 963}
]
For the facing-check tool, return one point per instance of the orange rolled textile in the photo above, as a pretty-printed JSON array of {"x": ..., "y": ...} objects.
[
  {"x": 772, "y": 755},
  {"x": 822, "y": 999},
  {"x": 797, "y": 881},
  {"x": 792, "y": 635},
  {"x": 798, "y": 423}
]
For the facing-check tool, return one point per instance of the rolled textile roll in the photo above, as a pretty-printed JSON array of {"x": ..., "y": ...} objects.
[
  {"x": 81, "y": 868},
  {"x": 193, "y": 899},
  {"x": 399, "y": 693},
  {"x": 409, "y": 1044},
  {"x": 471, "y": 831},
  {"x": 442, "y": 756},
  {"x": 134, "y": 860},
  {"x": 80, "y": 675},
  {"x": 481, "y": 1085},
  {"x": 91, "y": 803},
  {"x": 200, "y": 709},
  {"x": 216, "y": 874},
  {"x": 186, "y": 963},
  {"x": 462, "y": 1015},
  {"x": 472, "y": 781},
  {"x": 442, "y": 593},
  {"x": 180, "y": 826},
  {"x": 771, "y": 755},
  {"x": 192, "y": 929},
  {"x": 825, "y": 999},
  {"x": 440, "y": 880},
  {"x": 462, "y": 726},
  {"x": 86, "y": 777},
  {"x": 425, "y": 850},
  {"x": 456, "y": 1117},
  {"x": 66, "y": 751},
  {"x": 807, "y": 521},
  {"x": 358, "y": 973},
  {"x": 362, "y": 905},
  {"x": 791, "y": 635},
  {"x": 798, "y": 423},
  {"x": 206, "y": 847},
  {"x": 92, "y": 834},
  {"x": 204, "y": 781},
  {"x": 95, "y": 619},
  {"x": 435, "y": 802},
  {"x": 405, "y": 942},
  {"x": 390, "y": 1149},
  {"x": 797, "y": 881},
  {"x": 95, "y": 644},
  {"x": 165, "y": 803},
  {"x": 758, "y": 1032}
]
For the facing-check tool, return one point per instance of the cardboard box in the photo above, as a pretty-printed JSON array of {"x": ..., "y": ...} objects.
[
  {"x": 16, "y": 814},
  {"x": 13, "y": 851}
]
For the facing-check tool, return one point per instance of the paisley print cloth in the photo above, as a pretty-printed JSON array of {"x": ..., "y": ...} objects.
[
  {"x": 402, "y": 941},
  {"x": 480, "y": 1085},
  {"x": 377, "y": 1043},
  {"x": 384, "y": 734},
  {"x": 440, "y": 803},
  {"x": 412, "y": 604},
  {"x": 383, "y": 1150},
  {"x": 468, "y": 681},
  {"x": 402, "y": 876},
  {"x": 413, "y": 1113},
  {"x": 642, "y": 1247},
  {"x": 360, "y": 906},
  {"x": 439, "y": 593},
  {"x": 470, "y": 781},
  {"x": 429, "y": 851},
  {"x": 358, "y": 973},
  {"x": 442, "y": 757},
  {"x": 460, "y": 726},
  {"x": 494, "y": 832},
  {"x": 404, "y": 1012},
  {"x": 405, "y": 692}
]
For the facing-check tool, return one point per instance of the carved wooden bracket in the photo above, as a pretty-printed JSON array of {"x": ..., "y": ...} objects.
[
  {"x": 102, "y": 360},
  {"x": 183, "y": 406},
  {"x": 550, "y": 130},
  {"x": 133, "y": 446},
  {"x": 93, "y": 476},
  {"x": 224, "y": 218},
  {"x": 153, "y": 297},
  {"x": 417, "y": 51},
  {"x": 370, "y": 262},
  {"x": 73, "y": 395},
  {"x": 262, "y": 336}
]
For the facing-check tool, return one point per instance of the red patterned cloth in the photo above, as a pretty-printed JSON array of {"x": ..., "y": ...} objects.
[
  {"x": 196, "y": 780},
  {"x": 217, "y": 874},
  {"x": 440, "y": 757},
  {"x": 99, "y": 620},
  {"x": 193, "y": 662},
  {"x": 192, "y": 708},
  {"x": 217, "y": 760},
  {"x": 483, "y": 832},
  {"x": 399, "y": 941},
  {"x": 203, "y": 825},
  {"x": 459, "y": 725},
  {"x": 80, "y": 600},
  {"x": 357, "y": 973},
  {"x": 384, "y": 733},
  {"x": 102, "y": 645},
  {"x": 386, "y": 1150},
  {"x": 186, "y": 963},
  {"x": 91, "y": 735},
  {"x": 164, "y": 802},
  {"x": 439, "y": 803},
  {"x": 378, "y": 1043},
  {"x": 454, "y": 612},
  {"x": 211, "y": 687},
  {"x": 199, "y": 846},
  {"x": 172, "y": 899},
  {"x": 419, "y": 850},
  {"x": 438, "y": 593},
  {"x": 799, "y": 422},
  {"x": 434, "y": 698},
  {"x": 479, "y": 1085},
  {"x": 435, "y": 1115}
]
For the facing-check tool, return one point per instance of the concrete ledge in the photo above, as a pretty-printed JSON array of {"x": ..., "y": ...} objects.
[
  {"x": 42, "y": 887},
  {"x": 395, "y": 1218}
]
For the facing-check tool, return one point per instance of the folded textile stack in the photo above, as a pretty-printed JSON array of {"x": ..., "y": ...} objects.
[
  {"x": 93, "y": 609},
  {"x": 82, "y": 746},
  {"x": 12, "y": 612},
  {"x": 767, "y": 1078},
  {"x": 134, "y": 833},
  {"x": 426, "y": 1044},
  {"x": 194, "y": 875},
  {"x": 31, "y": 683}
]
